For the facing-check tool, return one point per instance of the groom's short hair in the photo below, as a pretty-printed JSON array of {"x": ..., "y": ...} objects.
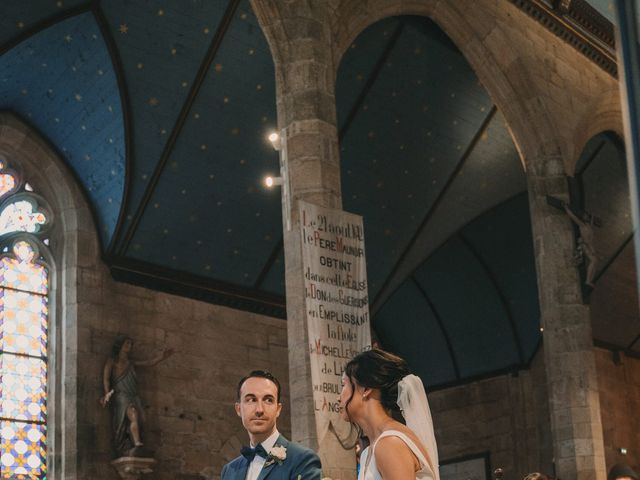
[{"x": 258, "y": 374}]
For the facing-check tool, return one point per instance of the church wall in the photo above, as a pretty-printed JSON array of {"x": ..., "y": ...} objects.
[
  {"x": 188, "y": 399},
  {"x": 619, "y": 384},
  {"x": 506, "y": 416}
]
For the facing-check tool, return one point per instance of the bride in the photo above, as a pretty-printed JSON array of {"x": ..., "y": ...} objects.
[{"x": 379, "y": 395}]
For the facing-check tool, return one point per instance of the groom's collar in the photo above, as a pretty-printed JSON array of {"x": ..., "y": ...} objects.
[{"x": 270, "y": 441}]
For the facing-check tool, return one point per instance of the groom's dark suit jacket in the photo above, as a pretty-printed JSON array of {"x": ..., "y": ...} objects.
[{"x": 300, "y": 464}]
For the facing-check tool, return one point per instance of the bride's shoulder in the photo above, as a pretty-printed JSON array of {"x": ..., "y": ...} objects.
[
  {"x": 392, "y": 453},
  {"x": 394, "y": 441},
  {"x": 402, "y": 439}
]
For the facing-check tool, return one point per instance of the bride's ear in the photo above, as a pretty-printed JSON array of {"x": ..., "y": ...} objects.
[{"x": 366, "y": 393}]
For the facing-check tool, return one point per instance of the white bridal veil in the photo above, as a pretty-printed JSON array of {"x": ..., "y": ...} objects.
[{"x": 413, "y": 402}]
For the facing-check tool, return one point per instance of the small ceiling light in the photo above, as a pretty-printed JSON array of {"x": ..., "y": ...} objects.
[
  {"x": 622, "y": 450},
  {"x": 541, "y": 329},
  {"x": 271, "y": 181},
  {"x": 274, "y": 138}
]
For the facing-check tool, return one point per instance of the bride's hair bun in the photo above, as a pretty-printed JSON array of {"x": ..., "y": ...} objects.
[{"x": 381, "y": 370}]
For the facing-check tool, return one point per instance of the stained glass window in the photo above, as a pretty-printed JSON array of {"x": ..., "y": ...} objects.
[
  {"x": 21, "y": 216},
  {"x": 24, "y": 314},
  {"x": 24, "y": 285},
  {"x": 7, "y": 180}
]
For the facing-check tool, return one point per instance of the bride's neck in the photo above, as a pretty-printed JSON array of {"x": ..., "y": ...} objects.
[{"x": 375, "y": 421}]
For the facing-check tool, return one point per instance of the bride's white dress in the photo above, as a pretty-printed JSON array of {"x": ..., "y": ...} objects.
[{"x": 369, "y": 469}]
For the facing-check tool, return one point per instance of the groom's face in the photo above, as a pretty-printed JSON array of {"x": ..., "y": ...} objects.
[{"x": 258, "y": 407}]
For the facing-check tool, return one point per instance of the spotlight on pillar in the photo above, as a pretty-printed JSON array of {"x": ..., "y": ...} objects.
[
  {"x": 273, "y": 181},
  {"x": 274, "y": 138},
  {"x": 283, "y": 180}
]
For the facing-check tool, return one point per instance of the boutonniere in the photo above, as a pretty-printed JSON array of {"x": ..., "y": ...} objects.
[{"x": 278, "y": 454}]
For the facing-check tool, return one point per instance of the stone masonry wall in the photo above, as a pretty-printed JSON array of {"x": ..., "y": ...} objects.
[
  {"x": 507, "y": 416},
  {"x": 188, "y": 399},
  {"x": 619, "y": 383}
]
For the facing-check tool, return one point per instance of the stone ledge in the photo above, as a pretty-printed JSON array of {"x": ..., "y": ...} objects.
[{"x": 132, "y": 468}]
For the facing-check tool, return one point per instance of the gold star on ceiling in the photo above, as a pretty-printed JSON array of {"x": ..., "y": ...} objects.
[
  {"x": 124, "y": 28},
  {"x": 218, "y": 67},
  {"x": 153, "y": 101}
]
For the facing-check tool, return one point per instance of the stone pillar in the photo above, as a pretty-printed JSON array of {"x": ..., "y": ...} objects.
[
  {"x": 300, "y": 41},
  {"x": 574, "y": 403}
]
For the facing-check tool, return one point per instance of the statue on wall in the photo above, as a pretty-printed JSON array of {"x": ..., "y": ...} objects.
[
  {"x": 121, "y": 392},
  {"x": 586, "y": 245}
]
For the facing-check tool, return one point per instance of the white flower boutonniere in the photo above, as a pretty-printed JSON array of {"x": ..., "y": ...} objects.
[{"x": 278, "y": 454}]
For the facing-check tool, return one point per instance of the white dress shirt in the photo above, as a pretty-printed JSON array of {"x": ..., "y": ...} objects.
[{"x": 258, "y": 462}]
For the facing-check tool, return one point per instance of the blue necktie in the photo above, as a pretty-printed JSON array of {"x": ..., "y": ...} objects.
[{"x": 250, "y": 453}]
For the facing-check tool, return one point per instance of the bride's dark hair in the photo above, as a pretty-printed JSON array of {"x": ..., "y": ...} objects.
[{"x": 381, "y": 370}]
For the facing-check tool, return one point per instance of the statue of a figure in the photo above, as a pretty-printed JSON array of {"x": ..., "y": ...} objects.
[
  {"x": 585, "y": 223},
  {"x": 121, "y": 391}
]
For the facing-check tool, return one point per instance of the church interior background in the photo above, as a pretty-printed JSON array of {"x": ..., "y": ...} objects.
[{"x": 133, "y": 144}]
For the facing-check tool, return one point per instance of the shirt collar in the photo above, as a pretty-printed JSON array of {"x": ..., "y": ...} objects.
[{"x": 270, "y": 441}]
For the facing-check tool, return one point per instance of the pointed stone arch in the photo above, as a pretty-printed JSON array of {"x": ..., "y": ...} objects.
[{"x": 73, "y": 242}]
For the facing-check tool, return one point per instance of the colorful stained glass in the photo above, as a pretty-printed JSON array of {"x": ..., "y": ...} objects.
[
  {"x": 22, "y": 451},
  {"x": 24, "y": 312},
  {"x": 20, "y": 274},
  {"x": 20, "y": 217},
  {"x": 7, "y": 183},
  {"x": 22, "y": 387},
  {"x": 23, "y": 323}
]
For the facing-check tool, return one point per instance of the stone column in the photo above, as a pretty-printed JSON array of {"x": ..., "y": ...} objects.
[
  {"x": 300, "y": 41},
  {"x": 574, "y": 403}
]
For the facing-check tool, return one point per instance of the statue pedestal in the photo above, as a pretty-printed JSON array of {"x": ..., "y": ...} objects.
[{"x": 132, "y": 468}]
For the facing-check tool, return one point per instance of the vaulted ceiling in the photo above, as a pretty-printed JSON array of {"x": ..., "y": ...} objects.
[{"x": 161, "y": 110}]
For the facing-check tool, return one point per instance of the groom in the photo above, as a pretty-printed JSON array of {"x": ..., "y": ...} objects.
[{"x": 270, "y": 455}]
